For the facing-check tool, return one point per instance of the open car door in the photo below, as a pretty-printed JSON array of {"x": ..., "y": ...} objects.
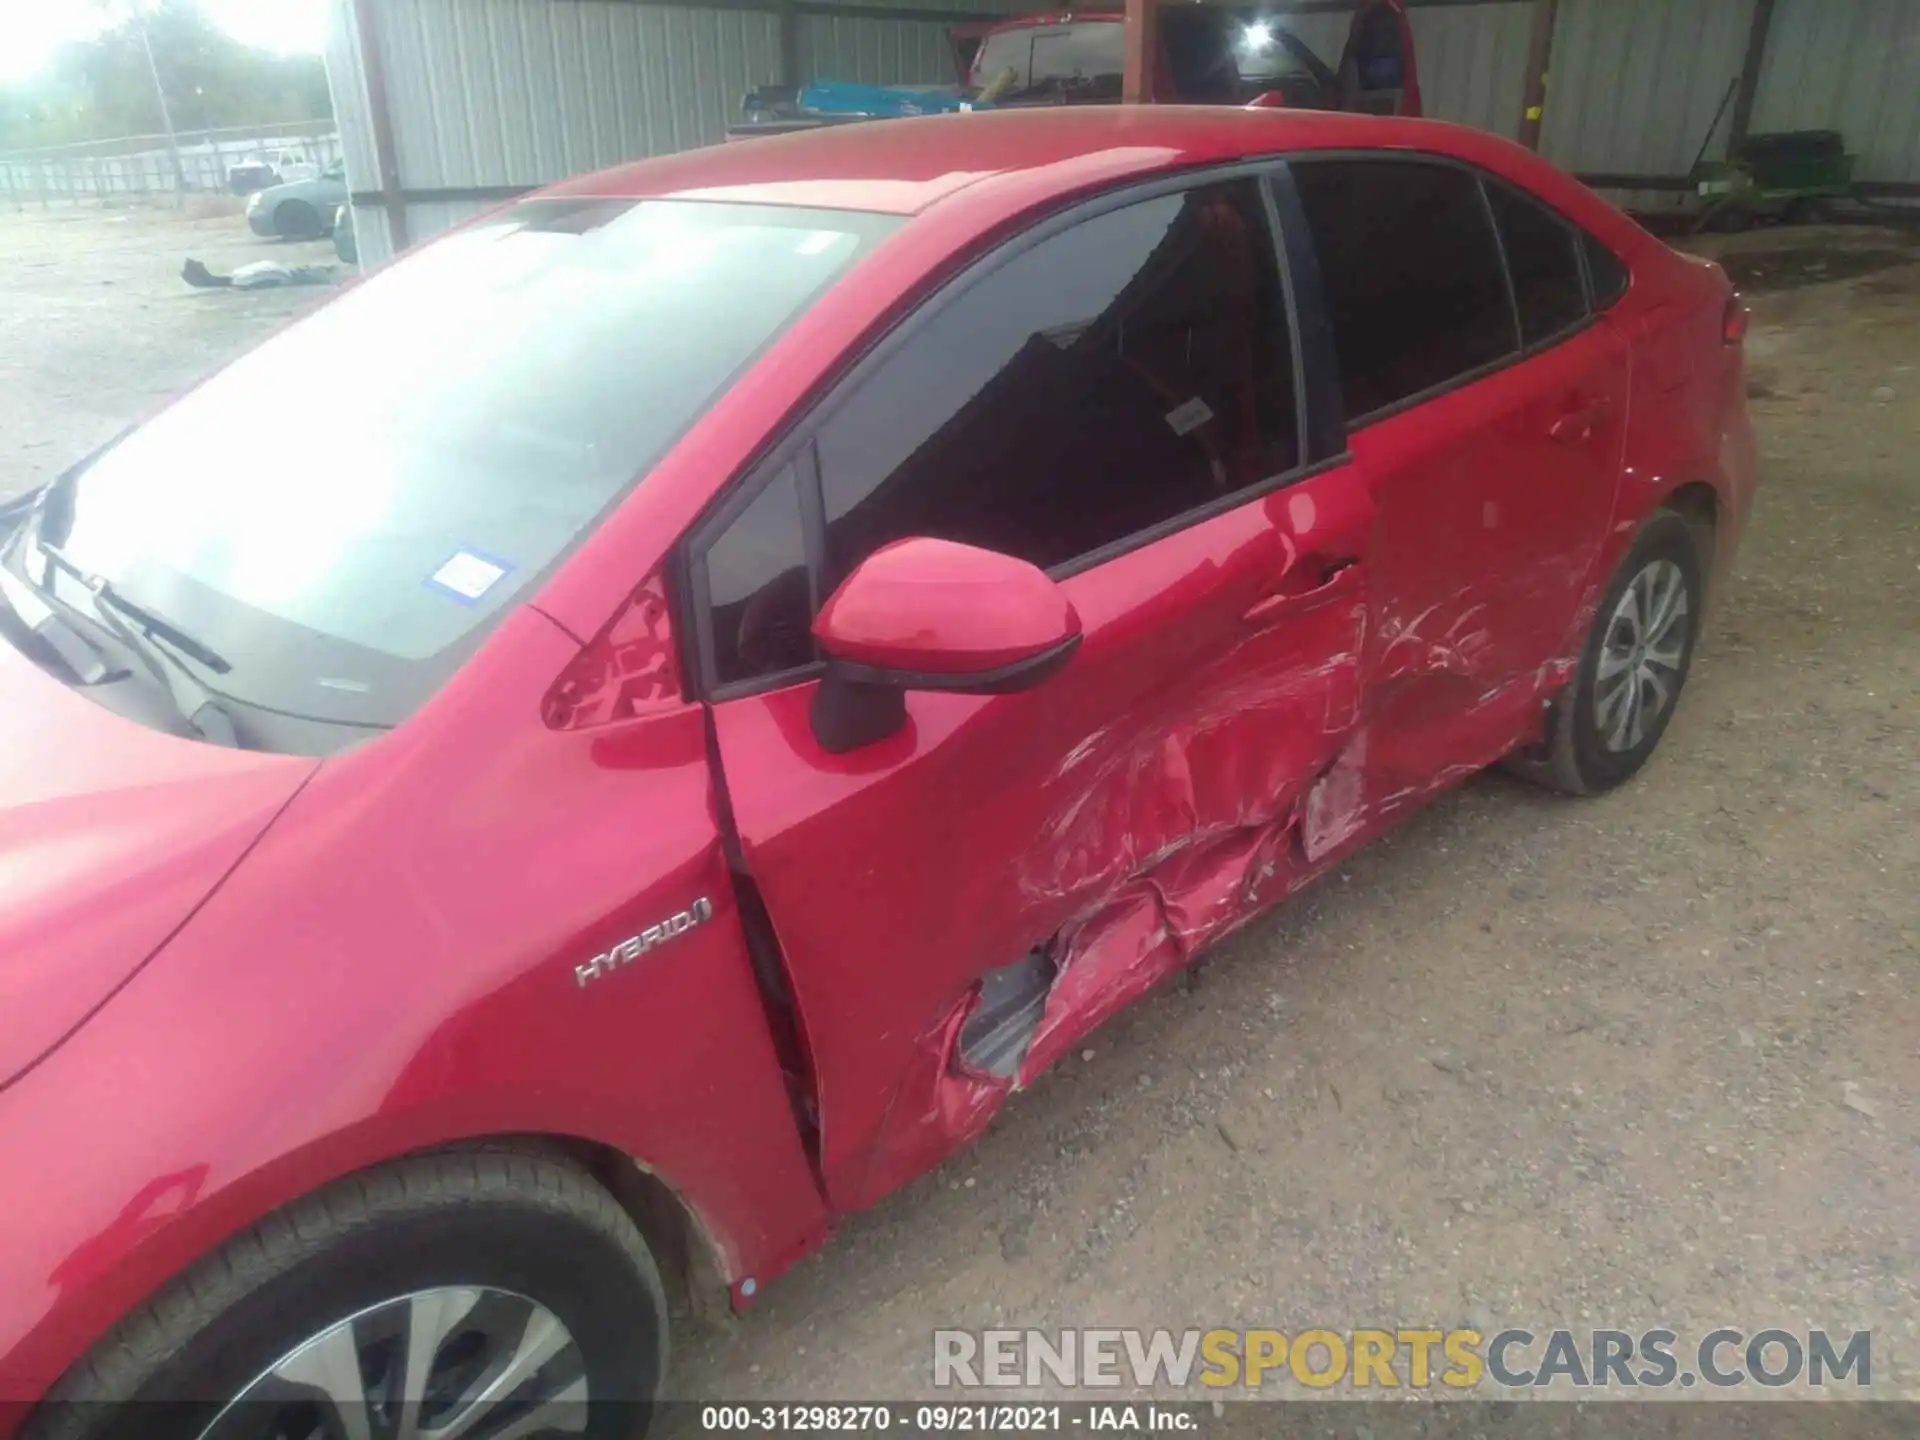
[{"x": 1378, "y": 72}]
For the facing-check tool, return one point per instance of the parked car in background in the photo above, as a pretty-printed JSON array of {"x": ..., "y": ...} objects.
[
  {"x": 292, "y": 164},
  {"x": 270, "y": 167},
  {"x": 250, "y": 175},
  {"x": 301, "y": 210},
  {"x": 1205, "y": 56},
  {"x": 769, "y": 647}
]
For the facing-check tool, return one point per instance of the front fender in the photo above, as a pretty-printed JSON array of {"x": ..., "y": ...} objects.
[
  {"x": 125, "y": 1166},
  {"x": 394, "y": 968}
]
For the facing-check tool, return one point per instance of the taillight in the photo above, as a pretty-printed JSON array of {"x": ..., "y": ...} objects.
[{"x": 1734, "y": 321}]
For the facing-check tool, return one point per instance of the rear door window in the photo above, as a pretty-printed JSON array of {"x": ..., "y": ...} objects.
[
  {"x": 1606, "y": 273},
  {"x": 1543, "y": 256},
  {"x": 1411, "y": 273}
]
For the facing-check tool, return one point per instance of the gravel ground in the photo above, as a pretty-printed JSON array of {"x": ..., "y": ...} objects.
[
  {"x": 1652, "y": 1059},
  {"x": 97, "y": 328}
]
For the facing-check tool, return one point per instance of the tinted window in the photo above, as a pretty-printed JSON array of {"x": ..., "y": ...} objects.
[
  {"x": 1084, "y": 60},
  {"x": 1411, "y": 274},
  {"x": 468, "y": 413},
  {"x": 1106, "y": 380},
  {"x": 1607, "y": 273},
  {"x": 1201, "y": 46},
  {"x": 1543, "y": 256},
  {"x": 757, "y": 587},
  {"x": 1376, "y": 51}
]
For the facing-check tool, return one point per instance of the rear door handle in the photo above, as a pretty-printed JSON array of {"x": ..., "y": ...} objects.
[
  {"x": 1337, "y": 578},
  {"x": 1576, "y": 426}
]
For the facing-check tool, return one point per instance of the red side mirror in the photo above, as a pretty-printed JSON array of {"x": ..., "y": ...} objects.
[{"x": 924, "y": 614}]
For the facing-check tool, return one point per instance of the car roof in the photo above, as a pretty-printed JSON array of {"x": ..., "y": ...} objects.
[{"x": 903, "y": 167}]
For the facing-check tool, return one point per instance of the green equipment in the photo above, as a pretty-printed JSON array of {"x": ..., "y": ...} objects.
[{"x": 1789, "y": 175}]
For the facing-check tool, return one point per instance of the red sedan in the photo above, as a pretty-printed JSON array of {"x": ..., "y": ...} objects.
[{"x": 759, "y": 652}]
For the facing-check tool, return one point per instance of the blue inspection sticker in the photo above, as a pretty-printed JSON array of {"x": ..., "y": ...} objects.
[{"x": 468, "y": 575}]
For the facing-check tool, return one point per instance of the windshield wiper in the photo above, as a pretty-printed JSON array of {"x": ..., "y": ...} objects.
[
  {"x": 194, "y": 701},
  {"x": 153, "y": 623},
  {"x": 69, "y": 646}
]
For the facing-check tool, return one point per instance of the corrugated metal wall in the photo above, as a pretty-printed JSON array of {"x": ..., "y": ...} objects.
[
  {"x": 516, "y": 92},
  {"x": 1473, "y": 63},
  {"x": 1634, "y": 84},
  {"x": 1851, "y": 66},
  {"x": 874, "y": 51},
  {"x": 492, "y": 94},
  {"x": 486, "y": 94},
  {"x": 878, "y": 50}
]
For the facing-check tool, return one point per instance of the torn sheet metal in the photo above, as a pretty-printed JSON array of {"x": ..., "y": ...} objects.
[
  {"x": 941, "y": 1103},
  {"x": 1148, "y": 928},
  {"x": 1134, "y": 795},
  {"x": 1168, "y": 839},
  {"x": 1239, "y": 717},
  {"x": 1191, "y": 884},
  {"x": 1156, "y": 925}
]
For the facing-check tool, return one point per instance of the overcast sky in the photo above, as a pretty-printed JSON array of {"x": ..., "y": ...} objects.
[{"x": 30, "y": 30}]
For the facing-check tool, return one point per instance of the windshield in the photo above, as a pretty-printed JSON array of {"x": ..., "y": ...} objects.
[
  {"x": 1082, "y": 59},
  {"x": 458, "y": 421}
]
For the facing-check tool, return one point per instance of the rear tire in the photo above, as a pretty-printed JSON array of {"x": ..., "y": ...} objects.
[
  {"x": 1605, "y": 725},
  {"x": 437, "y": 1276},
  {"x": 297, "y": 220}
]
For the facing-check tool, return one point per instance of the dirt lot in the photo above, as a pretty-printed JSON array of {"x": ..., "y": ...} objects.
[
  {"x": 97, "y": 327},
  {"x": 1649, "y": 1059}
]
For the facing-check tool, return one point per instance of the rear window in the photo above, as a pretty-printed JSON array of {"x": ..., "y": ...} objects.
[
  {"x": 1082, "y": 61},
  {"x": 1606, "y": 272},
  {"x": 1543, "y": 256},
  {"x": 465, "y": 416}
]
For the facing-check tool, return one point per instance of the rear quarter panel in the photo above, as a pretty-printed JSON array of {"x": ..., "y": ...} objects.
[
  {"x": 1688, "y": 417},
  {"x": 1688, "y": 422}
]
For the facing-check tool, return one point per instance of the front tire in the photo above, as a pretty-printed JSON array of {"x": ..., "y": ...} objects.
[
  {"x": 1604, "y": 726},
  {"x": 297, "y": 220},
  {"x": 488, "y": 1293}
]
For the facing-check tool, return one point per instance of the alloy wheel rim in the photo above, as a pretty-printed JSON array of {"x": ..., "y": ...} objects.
[
  {"x": 451, "y": 1363},
  {"x": 1640, "y": 658}
]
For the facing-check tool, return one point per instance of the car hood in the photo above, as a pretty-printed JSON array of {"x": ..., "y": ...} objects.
[{"x": 110, "y": 836}]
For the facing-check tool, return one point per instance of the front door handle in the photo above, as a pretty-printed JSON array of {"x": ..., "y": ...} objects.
[
  {"x": 1332, "y": 579},
  {"x": 1576, "y": 426}
]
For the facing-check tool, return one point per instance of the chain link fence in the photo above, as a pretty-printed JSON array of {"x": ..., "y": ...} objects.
[{"x": 140, "y": 169}]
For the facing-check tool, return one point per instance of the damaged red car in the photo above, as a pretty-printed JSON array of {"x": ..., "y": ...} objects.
[{"x": 772, "y": 647}]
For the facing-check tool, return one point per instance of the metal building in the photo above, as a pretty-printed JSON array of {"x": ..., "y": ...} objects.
[
  {"x": 472, "y": 101},
  {"x": 448, "y": 106}
]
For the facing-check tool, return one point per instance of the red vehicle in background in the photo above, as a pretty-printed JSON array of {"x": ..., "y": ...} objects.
[
  {"x": 1206, "y": 55},
  {"x": 782, "y": 641}
]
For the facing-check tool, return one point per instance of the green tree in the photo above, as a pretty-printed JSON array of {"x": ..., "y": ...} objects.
[{"x": 100, "y": 89}]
